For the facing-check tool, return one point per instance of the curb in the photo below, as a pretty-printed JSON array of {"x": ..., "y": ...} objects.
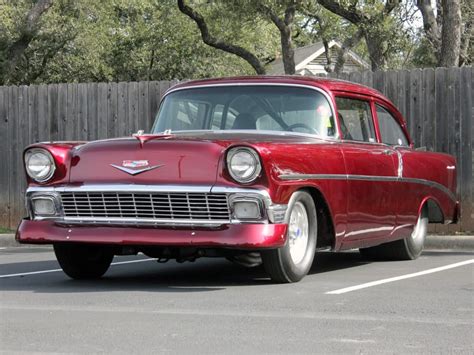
[
  {"x": 463, "y": 242},
  {"x": 8, "y": 240},
  {"x": 460, "y": 242}
]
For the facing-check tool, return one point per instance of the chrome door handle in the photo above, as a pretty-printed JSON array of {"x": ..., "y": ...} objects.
[{"x": 387, "y": 152}]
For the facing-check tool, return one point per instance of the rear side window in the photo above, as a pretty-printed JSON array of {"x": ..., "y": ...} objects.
[
  {"x": 355, "y": 118},
  {"x": 390, "y": 130}
]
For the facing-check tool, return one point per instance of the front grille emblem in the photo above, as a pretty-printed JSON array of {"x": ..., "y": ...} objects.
[{"x": 130, "y": 166}]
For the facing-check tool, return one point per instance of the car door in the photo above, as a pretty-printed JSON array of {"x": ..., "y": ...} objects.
[
  {"x": 407, "y": 197},
  {"x": 371, "y": 171}
]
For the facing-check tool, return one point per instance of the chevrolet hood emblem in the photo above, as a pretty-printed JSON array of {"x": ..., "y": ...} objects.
[{"x": 129, "y": 166}]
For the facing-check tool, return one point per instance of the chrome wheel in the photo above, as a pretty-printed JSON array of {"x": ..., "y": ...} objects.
[
  {"x": 298, "y": 232},
  {"x": 419, "y": 232},
  {"x": 293, "y": 261}
]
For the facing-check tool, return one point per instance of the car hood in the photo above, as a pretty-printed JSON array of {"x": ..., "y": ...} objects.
[{"x": 164, "y": 161}]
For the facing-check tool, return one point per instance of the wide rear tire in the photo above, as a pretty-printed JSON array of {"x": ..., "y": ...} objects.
[
  {"x": 293, "y": 261},
  {"x": 409, "y": 248},
  {"x": 82, "y": 261}
]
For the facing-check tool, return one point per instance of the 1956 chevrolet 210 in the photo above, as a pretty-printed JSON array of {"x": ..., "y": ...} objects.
[{"x": 255, "y": 169}]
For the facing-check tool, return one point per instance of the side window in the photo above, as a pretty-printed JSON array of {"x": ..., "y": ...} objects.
[
  {"x": 390, "y": 130},
  {"x": 355, "y": 119}
]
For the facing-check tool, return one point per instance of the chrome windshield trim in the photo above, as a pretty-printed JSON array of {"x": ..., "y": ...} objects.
[
  {"x": 251, "y": 132},
  {"x": 306, "y": 86},
  {"x": 369, "y": 178}
]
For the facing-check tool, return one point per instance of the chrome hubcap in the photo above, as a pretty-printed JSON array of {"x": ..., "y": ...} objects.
[{"x": 298, "y": 232}]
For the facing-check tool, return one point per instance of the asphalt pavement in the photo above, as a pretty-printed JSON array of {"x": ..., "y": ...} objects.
[{"x": 345, "y": 305}]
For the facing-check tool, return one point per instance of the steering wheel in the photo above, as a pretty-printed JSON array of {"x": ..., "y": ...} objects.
[{"x": 302, "y": 125}]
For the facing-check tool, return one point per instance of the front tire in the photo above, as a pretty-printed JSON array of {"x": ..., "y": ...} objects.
[
  {"x": 81, "y": 261},
  {"x": 409, "y": 248},
  {"x": 292, "y": 262}
]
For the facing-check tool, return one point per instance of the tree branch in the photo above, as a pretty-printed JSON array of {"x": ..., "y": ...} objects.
[
  {"x": 217, "y": 43},
  {"x": 351, "y": 15}
]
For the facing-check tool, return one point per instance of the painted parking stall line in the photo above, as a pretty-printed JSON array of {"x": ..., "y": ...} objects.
[
  {"x": 398, "y": 278},
  {"x": 57, "y": 270}
]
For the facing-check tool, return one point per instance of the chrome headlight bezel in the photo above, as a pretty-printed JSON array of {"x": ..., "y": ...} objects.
[
  {"x": 255, "y": 165},
  {"x": 48, "y": 157}
]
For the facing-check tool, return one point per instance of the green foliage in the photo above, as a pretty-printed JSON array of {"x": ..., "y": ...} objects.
[
  {"x": 130, "y": 40},
  {"x": 124, "y": 40}
]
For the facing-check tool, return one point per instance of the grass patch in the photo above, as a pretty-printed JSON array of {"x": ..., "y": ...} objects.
[{"x": 5, "y": 230}]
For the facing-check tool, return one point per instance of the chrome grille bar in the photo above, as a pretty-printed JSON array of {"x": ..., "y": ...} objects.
[{"x": 172, "y": 206}]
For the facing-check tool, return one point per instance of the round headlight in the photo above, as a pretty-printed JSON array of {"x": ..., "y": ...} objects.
[
  {"x": 39, "y": 164},
  {"x": 243, "y": 164}
]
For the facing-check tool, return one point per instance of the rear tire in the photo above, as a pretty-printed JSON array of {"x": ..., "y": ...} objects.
[
  {"x": 409, "y": 248},
  {"x": 82, "y": 261},
  {"x": 293, "y": 261}
]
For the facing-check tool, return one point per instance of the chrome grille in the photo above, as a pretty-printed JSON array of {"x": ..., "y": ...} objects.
[{"x": 159, "y": 206}]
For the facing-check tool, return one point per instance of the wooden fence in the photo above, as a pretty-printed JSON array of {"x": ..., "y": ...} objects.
[{"x": 438, "y": 106}]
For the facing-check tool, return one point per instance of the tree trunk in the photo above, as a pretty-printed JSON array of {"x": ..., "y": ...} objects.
[
  {"x": 287, "y": 52},
  {"x": 450, "y": 34},
  {"x": 376, "y": 54},
  {"x": 430, "y": 23},
  {"x": 349, "y": 43}
]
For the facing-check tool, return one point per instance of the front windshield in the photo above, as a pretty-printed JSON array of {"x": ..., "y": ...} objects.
[{"x": 270, "y": 108}]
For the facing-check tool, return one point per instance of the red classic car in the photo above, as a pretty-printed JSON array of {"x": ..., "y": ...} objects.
[{"x": 255, "y": 169}]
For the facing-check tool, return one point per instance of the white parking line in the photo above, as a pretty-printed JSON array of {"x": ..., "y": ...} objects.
[
  {"x": 397, "y": 278},
  {"x": 56, "y": 270}
]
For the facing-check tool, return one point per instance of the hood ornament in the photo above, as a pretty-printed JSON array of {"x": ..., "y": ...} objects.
[{"x": 130, "y": 166}]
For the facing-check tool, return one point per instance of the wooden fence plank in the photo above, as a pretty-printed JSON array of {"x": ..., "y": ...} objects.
[
  {"x": 124, "y": 128},
  {"x": 112, "y": 129},
  {"x": 71, "y": 117},
  {"x": 153, "y": 101},
  {"x": 23, "y": 141},
  {"x": 53, "y": 116},
  {"x": 466, "y": 160},
  {"x": 92, "y": 123},
  {"x": 43, "y": 123},
  {"x": 14, "y": 148},
  {"x": 33, "y": 132},
  {"x": 441, "y": 111},
  {"x": 143, "y": 107},
  {"x": 62, "y": 111},
  {"x": 83, "y": 122},
  {"x": 5, "y": 152},
  {"x": 429, "y": 110},
  {"x": 133, "y": 106},
  {"x": 102, "y": 110}
]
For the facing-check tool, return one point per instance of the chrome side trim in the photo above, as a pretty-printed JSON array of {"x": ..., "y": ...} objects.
[{"x": 369, "y": 178}]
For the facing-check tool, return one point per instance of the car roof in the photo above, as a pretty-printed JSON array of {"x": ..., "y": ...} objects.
[{"x": 327, "y": 84}]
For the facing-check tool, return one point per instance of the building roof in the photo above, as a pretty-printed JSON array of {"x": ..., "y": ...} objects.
[{"x": 304, "y": 55}]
